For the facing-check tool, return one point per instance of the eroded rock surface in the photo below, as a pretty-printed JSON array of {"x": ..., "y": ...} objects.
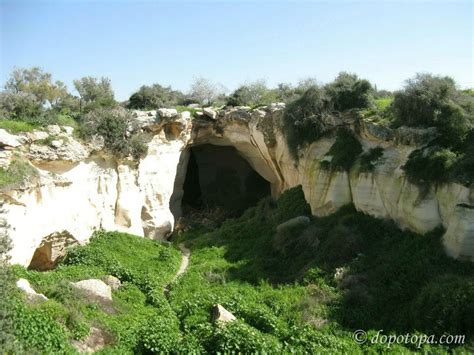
[{"x": 82, "y": 189}]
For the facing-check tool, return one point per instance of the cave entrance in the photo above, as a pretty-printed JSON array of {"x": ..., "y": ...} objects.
[{"x": 217, "y": 176}]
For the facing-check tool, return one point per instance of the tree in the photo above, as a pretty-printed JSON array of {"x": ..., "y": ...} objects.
[
  {"x": 424, "y": 100},
  {"x": 252, "y": 94},
  {"x": 155, "y": 96},
  {"x": 95, "y": 92},
  {"x": 36, "y": 82},
  {"x": 347, "y": 92},
  {"x": 204, "y": 91},
  {"x": 28, "y": 91}
]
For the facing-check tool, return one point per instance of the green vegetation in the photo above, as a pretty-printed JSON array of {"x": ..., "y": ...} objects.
[
  {"x": 343, "y": 152},
  {"x": 304, "y": 119},
  {"x": 113, "y": 126},
  {"x": 94, "y": 93},
  {"x": 348, "y": 92},
  {"x": 155, "y": 96},
  {"x": 143, "y": 265},
  {"x": 16, "y": 126},
  {"x": 18, "y": 173},
  {"x": 304, "y": 293},
  {"x": 7, "y": 289},
  {"x": 369, "y": 159}
]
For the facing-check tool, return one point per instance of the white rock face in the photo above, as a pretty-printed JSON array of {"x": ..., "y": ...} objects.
[
  {"x": 79, "y": 193},
  {"x": 9, "y": 140}
]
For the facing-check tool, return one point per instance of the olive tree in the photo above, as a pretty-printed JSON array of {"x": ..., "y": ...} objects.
[{"x": 95, "y": 92}]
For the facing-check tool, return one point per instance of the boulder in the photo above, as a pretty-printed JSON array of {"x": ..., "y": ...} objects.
[
  {"x": 96, "y": 340},
  {"x": 167, "y": 112},
  {"x": 24, "y": 285},
  {"x": 10, "y": 140},
  {"x": 94, "y": 289},
  {"x": 220, "y": 314},
  {"x": 69, "y": 130},
  {"x": 209, "y": 112},
  {"x": 52, "y": 249},
  {"x": 57, "y": 143},
  {"x": 53, "y": 129},
  {"x": 112, "y": 281},
  {"x": 36, "y": 135}
]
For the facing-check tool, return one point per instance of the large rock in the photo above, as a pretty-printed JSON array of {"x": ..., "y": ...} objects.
[
  {"x": 36, "y": 135},
  {"x": 52, "y": 249},
  {"x": 53, "y": 129},
  {"x": 209, "y": 112},
  {"x": 112, "y": 281},
  {"x": 72, "y": 151},
  {"x": 220, "y": 314},
  {"x": 94, "y": 289},
  {"x": 31, "y": 294},
  {"x": 10, "y": 140},
  {"x": 167, "y": 112}
]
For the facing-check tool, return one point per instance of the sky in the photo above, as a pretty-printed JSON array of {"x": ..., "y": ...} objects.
[{"x": 138, "y": 43}]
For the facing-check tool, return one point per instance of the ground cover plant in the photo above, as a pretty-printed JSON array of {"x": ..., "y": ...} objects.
[{"x": 302, "y": 291}]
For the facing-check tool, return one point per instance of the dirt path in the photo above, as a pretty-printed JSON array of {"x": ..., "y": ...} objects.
[{"x": 185, "y": 254}]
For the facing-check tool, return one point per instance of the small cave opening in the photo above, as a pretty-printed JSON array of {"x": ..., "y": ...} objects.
[{"x": 218, "y": 177}]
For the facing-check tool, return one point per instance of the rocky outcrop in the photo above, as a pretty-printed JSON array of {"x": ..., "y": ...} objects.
[
  {"x": 31, "y": 295},
  {"x": 82, "y": 189},
  {"x": 52, "y": 249}
]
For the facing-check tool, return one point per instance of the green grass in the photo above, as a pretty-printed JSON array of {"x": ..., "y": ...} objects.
[
  {"x": 191, "y": 110},
  {"x": 143, "y": 265},
  {"x": 282, "y": 290},
  {"x": 383, "y": 103},
  {"x": 17, "y": 126}
]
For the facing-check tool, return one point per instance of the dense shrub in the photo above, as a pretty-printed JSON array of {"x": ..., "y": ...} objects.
[
  {"x": 431, "y": 165},
  {"x": 113, "y": 126},
  {"x": 348, "y": 92},
  {"x": 7, "y": 289},
  {"x": 253, "y": 94},
  {"x": 302, "y": 121},
  {"x": 161, "y": 334},
  {"x": 423, "y": 100},
  {"x": 344, "y": 151},
  {"x": 239, "y": 337},
  {"x": 19, "y": 105},
  {"x": 36, "y": 329},
  {"x": 155, "y": 96},
  {"x": 444, "y": 305},
  {"x": 369, "y": 159}
]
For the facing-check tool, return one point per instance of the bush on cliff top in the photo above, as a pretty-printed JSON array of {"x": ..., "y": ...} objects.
[{"x": 113, "y": 126}]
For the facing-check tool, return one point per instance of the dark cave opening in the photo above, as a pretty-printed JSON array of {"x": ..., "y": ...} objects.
[{"x": 218, "y": 177}]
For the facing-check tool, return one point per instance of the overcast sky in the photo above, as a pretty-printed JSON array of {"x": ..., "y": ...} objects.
[{"x": 233, "y": 42}]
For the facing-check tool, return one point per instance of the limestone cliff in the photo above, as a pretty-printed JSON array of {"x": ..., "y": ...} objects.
[{"x": 81, "y": 189}]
